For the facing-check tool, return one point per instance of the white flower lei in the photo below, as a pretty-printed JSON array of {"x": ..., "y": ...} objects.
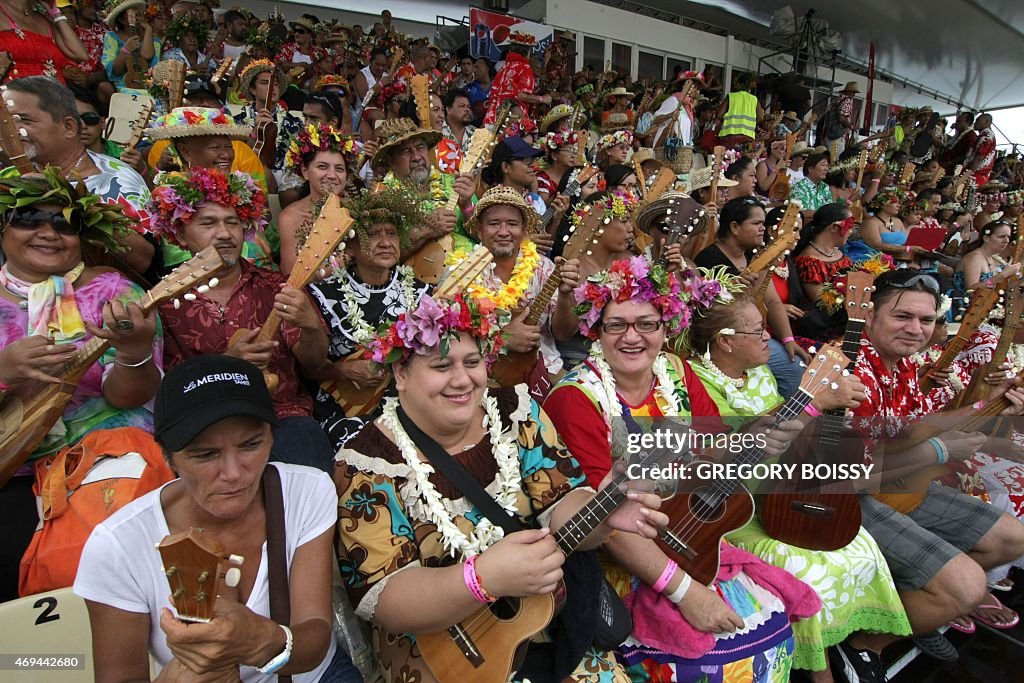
[
  {"x": 429, "y": 505},
  {"x": 362, "y": 332},
  {"x": 665, "y": 388}
]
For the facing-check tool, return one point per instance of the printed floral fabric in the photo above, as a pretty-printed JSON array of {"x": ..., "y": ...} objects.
[
  {"x": 811, "y": 197},
  {"x": 815, "y": 271},
  {"x": 33, "y": 54},
  {"x": 92, "y": 38},
  {"x": 88, "y": 410},
  {"x": 112, "y": 45},
  {"x": 202, "y": 326},
  {"x": 287, "y": 127},
  {"x": 381, "y": 527},
  {"x": 514, "y": 78},
  {"x": 119, "y": 183}
]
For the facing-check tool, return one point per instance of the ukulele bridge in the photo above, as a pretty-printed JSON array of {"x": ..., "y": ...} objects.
[
  {"x": 679, "y": 545},
  {"x": 466, "y": 645},
  {"x": 813, "y": 509}
]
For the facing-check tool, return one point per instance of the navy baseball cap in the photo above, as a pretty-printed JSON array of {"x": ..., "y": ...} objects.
[
  {"x": 514, "y": 148},
  {"x": 205, "y": 390}
]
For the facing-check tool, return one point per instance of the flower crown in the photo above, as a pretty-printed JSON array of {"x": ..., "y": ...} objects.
[
  {"x": 262, "y": 37},
  {"x": 891, "y": 195},
  {"x": 617, "y": 138},
  {"x": 254, "y": 69},
  {"x": 584, "y": 90},
  {"x": 389, "y": 91},
  {"x": 635, "y": 279},
  {"x": 553, "y": 142},
  {"x": 832, "y": 294},
  {"x": 998, "y": 197},
  {"x": 1015, "y": 198},
  {"x": 103, "y": 224},
  {"x": 314, "y": 139},
  {"x": 395, "y": 204},
  {"x": 331, "y": 80},
  {"x": 522, "y": 38},
  {"x": 185, "y": 117},
  {"x": 185, "y": 24},
  {"x": 729, "y": 157},
  {"x": 618, "y": 206},
  {"x": 432, "y": 325},
  {"x": 177, "y": 197}
]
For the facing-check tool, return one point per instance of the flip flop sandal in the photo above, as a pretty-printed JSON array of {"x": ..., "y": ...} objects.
[
  {"x": 997, "y": 586},
  {"x": 991, "y": 623},
  {"x": 964, "y": 629}
]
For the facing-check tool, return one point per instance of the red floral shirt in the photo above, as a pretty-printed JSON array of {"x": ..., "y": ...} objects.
[
  {"x": 202, "y": 326},
  {"x": 92, "y": 38},
  {"x": 515, "y": 77}
]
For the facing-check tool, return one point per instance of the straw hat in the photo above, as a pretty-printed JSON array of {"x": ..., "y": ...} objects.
[
  {"x": 396, "y": 131},
  {"x": 185, "y": 122},
  {"x": 503, "y": 195},
  {"x": 851, "y": 88},
  {"x": 803, "y": 148},
  {"x": 618, "y": 92},
  {"x": 254, "y": 69},
  {"x": 116, "y": 7},
  {"x": 557, "y": 113},
  {"x": 701, "y": 178},
  {"x": 643, "y": 154},
  {"x": 790, "y": 116},
  {"x": 651, "y": 214},
  {"x": 304, "y": 23}
]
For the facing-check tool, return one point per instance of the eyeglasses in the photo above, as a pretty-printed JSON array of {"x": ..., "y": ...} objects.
[
  {"x": 33, "y": 219},
  {"x": 755, "y": 333},
  {"x": 90, "y": 118},
  {"x": 641, "y": 326},
  {"x": 299, "y": 31},
  {"x": 923, "y": 279}
]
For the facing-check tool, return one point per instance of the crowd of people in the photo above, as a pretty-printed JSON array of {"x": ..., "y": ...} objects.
[{"x": 421, "y": 427}]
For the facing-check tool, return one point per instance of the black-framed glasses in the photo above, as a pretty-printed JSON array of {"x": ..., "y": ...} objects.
[
  {"x": 27, "y": 218},
  {"x": 641, "y": 326},
  {"x": 924, "y": 279},
  {"x": 90, "y": 118},
  {"x": 755, "y": 333}
]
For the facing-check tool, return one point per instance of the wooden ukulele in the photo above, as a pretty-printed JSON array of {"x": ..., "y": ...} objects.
[
  {"x": 983, "y": 300},
  {"x": 27, "y": 416},
  {"x": 428, "y": 261},
  {"x": 658, "y": 185},
  {"x": 139, "y": 125},
  {"x": 194, "y": 564},
  {"x": 267, "y": 130},
  {"x": 329, "y": 229},
  {"x": 396, "y": 59},
  {"x": 688, "y": 89},
  {"x": 13, "y": 138},
  {"x": 684, "y": 217},
  {"x": 700, "y": 516},
  {"x": 222, "y": 70},
  {"x": 577, "y": 180},
  {"x": 824, "y": 521},
  {"x": 907, "y": 175},
  {"x": 979, "y": 389},
  {"x": 359, "y": 399},
  {"x": 134, "y": 75},
  {"x": 779, "y": 189},
  {"x": 1018, "y": 248},
  {"x": 489, "y": 645},
  {"x": 857, "y": 208},
  {"x": 171, "y": 72},
  {"x": 514, "y": 367},
  {"x": 768, "y": 258},
  {"x": 716, "y": 173},
  {"x": 420, "y": 87}
]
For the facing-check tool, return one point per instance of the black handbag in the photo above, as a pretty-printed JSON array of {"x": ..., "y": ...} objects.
[{"x": 604, "y": 623}]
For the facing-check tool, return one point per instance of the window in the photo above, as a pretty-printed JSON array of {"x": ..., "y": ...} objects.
[
  {"x": 622, "y": 58},
  {"x": 881, "y": 116},
  {"x": 650, "y": 66},
  {"x": 593, "y": 53},
  {"x": 676, "y": 65}
]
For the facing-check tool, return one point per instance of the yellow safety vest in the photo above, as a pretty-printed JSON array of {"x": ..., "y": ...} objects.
[{"x": 741, "y": 117}]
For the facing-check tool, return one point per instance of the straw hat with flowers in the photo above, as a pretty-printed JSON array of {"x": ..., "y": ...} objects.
[
  {"x": 186, "y": 122},
  {"x": 393, "y": 132}
]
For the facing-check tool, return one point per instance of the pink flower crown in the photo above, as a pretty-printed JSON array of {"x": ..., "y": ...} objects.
[
  {"x": 619, "y": 137},
  {"x": 176, "y": 198},
  {"x": 635, "y": 279},
  {"x": 553, "y": 142},
  {"x": 432, "y": 324}
]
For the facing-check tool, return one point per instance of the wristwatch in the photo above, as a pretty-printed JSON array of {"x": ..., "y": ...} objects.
[{"x": 281, "y": 659}]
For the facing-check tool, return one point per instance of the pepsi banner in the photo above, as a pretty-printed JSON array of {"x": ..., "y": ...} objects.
[{"x": 492, "y": 32}]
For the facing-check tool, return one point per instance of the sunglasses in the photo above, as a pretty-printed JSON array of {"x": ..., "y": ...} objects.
[
  {"x": 299, "y": 31},
  {"x": 32, "y": 219},
  {"x": 925, "y": 280},
  {"x": 90, "y": 118}
]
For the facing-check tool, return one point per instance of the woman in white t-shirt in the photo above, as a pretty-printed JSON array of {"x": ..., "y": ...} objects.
[{"x": 213, "y": 416}]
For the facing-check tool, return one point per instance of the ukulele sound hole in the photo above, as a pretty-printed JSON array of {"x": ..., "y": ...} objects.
[
  {"x": 706, "y": 505},
  {"x": 505, "y": 608}
]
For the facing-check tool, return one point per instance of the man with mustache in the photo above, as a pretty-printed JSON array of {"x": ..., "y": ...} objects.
[
  {"x": 940, "y": 546},
  {"x": 207, "y": 207}
]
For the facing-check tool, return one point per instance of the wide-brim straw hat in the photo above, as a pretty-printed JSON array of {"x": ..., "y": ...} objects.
[
  {"x": 304, "y": 23},
  {"x": 504, "y": 195},
  {"x": 790, "y": 116},
  {"x": 394, "y": 132},
  {"x": 851, "y": 87},
  {"x": 701, "y": 178},
  {"x": 649, "y": 214},
  {"x": 176, "y": 125},
  {"x": 257, "y": 67},
  {"x": 557, "y": 113},
  {"x": 803, "y": 148},
  {"x": 618, "y": 92},
  {"x": 120, "y": 7}
]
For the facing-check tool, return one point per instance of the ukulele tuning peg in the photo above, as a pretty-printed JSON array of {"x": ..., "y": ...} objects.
[
  {"x": 236, "y": 559},
  {"x": 203, "y": 289},
  {"x": 189, "y": 296},
  {"x": 176, "y": 303},
  {"x": 232, "y": 577},
  {"x": 834, "y": 386},
  {"x": 846, "y": 373},
  {"x": 214, "y": 282}
]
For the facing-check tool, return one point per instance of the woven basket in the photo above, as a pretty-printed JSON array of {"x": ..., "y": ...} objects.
[{"x": 682, "y": 163}]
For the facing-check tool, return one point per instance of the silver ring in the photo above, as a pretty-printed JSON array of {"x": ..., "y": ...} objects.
[
  {"x": 124, "y": 325},
  {"x": 284, "y": 307}
]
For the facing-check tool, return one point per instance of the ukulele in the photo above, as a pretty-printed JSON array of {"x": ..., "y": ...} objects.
[
  {"x": 857, "y": 208},
  {"x": 979, "y": 389},
  {"x": 716, "y": 173},
  {"x": 13, "y": 138},
  {"x": 779, "y": 189},
  {"x": 769, "y": 257},
  {"x": 515, "y": 366},
  {"x": 26, "y": 419},
  {"x": 134, "y": 75},
  {"x": 222, "y": 70},
  {"x": 983, "y": 300},
  {"x": 824, "y": 521},
  {"x": 265, "y": 130},
  {"x": 396, "y": 60},
  {"x": 664, "y": 181},
  {"x": 194, "y": 564},
  {"x": 420, "y": 86},
  {"x": 683, "y": 217},
  {"x": 329, "y": 229},
  {"x": 907, "y": 175},
  {"x": 358, "y": 399},
  {"x": 700, "y": 516},
  {"x": 489, "y": 645},
  {"x": 577, "y": 180},
  {"x": 171, "y": 72},
  {"x": 138, "y": 126}
]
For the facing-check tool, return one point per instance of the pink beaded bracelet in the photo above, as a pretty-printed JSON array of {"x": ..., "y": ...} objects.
[
  {"x": 662, "y": 583},
  {"x": 469, "y": 575}
]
